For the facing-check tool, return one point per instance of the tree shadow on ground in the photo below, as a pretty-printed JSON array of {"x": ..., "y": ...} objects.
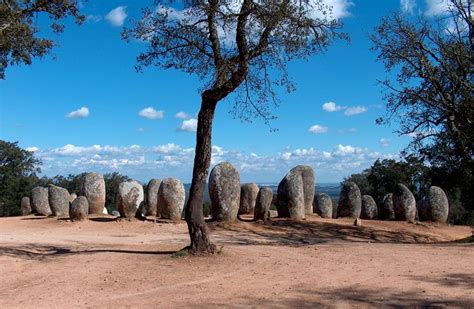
[
  {"x": 300, "y": 233},
  {"x": 354, "y": 297},
  {"x": 41, "y": 252}
]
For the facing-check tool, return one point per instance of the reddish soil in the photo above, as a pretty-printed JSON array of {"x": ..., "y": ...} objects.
[{"x": 46, "y": 262}]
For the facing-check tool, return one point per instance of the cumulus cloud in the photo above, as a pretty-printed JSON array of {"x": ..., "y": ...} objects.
[
  {"x": 117, "y": 16},
  {"x": 151, "y": 113},
  {"x": 189, "y": 125},
  {"x": 332, "y": 107},
  {"x": 182, "y": 115},
  {"x": 93, "y": 18},
  {"x": 82, "y": 112},
  {"x": 317, "y": 129},
  {"x": 32, "y": 149},
  {"x": 407, "y": 5},
  {"x": 351, "y": 111},
  {"x": 436, "y": 7},
  {"x": 385, "y": 142}
]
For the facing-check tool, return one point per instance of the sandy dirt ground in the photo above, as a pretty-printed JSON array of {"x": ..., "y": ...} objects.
[{"x": 54, "y": 263}]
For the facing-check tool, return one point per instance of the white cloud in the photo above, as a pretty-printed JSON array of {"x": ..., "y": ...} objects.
[
  {"x": 340, "y": 8},
  {"x": 351, "y": 111},
  {"x": 141, "y": 130},
  {"x": 317, "y": 129},
  {"x": 408, "y": 5},
  {"x": 332, "y": 107},
  {"x": 82, "y": 112},
  {"x": 189, "y": 125},
  {"x": 436, "y": 7},
  {"x": 151, "y": 113},
  {"x": 182, "y": 115},
  {"x": 93, "y": 18},
  {"x": 32, "y": 149},
  {"x": 117, "y": 16},
  {"x": 385, "y": 142}
]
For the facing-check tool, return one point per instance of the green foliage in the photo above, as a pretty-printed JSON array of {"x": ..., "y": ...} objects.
[
  {"x": 19, "y": 41},
  {"x": 112, "y": 182},
  {"x": 18, "y": 169}
]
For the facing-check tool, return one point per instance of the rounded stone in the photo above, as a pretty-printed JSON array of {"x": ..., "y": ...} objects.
[
  {"x": 263, "y": 203},
  {"x": 58, "y": 201},
  {"x": 437, "y": 205},
  {"x": 224, "y": 191},
  {"x": 152, "y": 197},
  {"x": 79, "y": 209},
  {"x": 369, "y": 208},
  {"x": 171, "y": 196},
  {"x": 386, "y": 211},
  {"x": 39, "y": 201},
  {"x": 295, "y": 193},
  {"x": 322, "y": 205},
  {"x": 72, "y": 197},
  {"x": 93, "y": 188},
  {"x": 115, "y": 213},
  {"x": 25, "y": 206},
  {"x": 350, "y": 201},
  {"x": 248, "y": 197},
  {"x": 404, "y": 203},
  {"x": 129, "y": 196}
]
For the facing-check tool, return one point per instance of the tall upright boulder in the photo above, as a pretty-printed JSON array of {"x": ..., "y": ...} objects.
[
  {"x": 350, "y": 201},
  {"x": 58, "y": 201},
  {"x": 263, "y": 203},
  {"x": 369, "y": 208},
  {"x": 248, "y": 197},
  {"x": 224, "y": 191},
  {"x": 296, "y": 193},
  {"x": 171, "y": 197},
  {"x": 435, "y": 206},
  {"x": 152, "y": 197},
  {"x": 79, "y": 209},
  {"x": 322, "y": 205},
  {"x": 129, "y": 196},
  {"x": 93, "y": 188},
  {"x": 386, "y": 211},
  {"x": 25, "y": 206},
  {"x": 39, "y": 201},
  {"x": 404, "y": 203}
]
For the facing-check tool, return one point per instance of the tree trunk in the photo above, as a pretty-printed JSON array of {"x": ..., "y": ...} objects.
[{"x": 198, "y": 231}]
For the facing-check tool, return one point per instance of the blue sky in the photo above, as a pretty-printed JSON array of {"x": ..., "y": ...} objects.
[{"x": 87, "y": 109}]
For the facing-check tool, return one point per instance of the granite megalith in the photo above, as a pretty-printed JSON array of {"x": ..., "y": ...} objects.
[
  {"x": 263, "y": 203},
  {"x": 152, "y": 197},
  {"x": 129, "y": 196},
  {"x": 25, "y": 206},
  {"x": 39, "y": 201},
  {"x": 79, "y": 209},
  {"x": 171, "y": 196},
  {"x": 248, "y": 197},
  {"x": 369, "y": 208},
  {"x": 350, "y": 201},
  {"x": 322, "y": 205},
  {"x": 224, "y": 191},
  {"x": 58, "y": 201},
  {"x": 404, "y": 203},
  {"x": 93, "y": 188}
]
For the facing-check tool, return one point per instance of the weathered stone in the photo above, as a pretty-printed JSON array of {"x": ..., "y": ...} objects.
[
  {"x": 263, "y": 203},
  {"x": 224, "y": 191},
  {"x": 350, "y": 201},
  {"x": 296, "y": 193},
  {"x": 152, "y": 197},
  {"x": 129, "y": 197},
  {"x": 437, "y": 205},
  {"x": 171, "y": 197},
  {"x": 322, "y": 205},
  {"x": 105, "y": 212},
  {"x": 369, "y": 208},
  {"x": 25, "y": 206},
  {"x": 357, "y": 222},
  {"x": 404, "y": 204},
  {"x": 386, "y": 211},
  {"x": 79, "y": 209},
  {"x": 115, "y": 213},
  {"x": 93, "y": 188},
  {"x": 39, "y": 201},
  {"x": 58, "y": 201},
  {"x": 248, "y": 197},
  {"x": 72, "y": 197}
]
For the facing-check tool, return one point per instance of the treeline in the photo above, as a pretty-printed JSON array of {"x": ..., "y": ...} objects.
[{"x": 382, "y": 177}]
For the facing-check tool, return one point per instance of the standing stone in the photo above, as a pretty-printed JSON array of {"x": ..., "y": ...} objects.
[
  {"x": 39, "y": 201},
  {"x": 224, "y": 191},
  {"x": 152, "y": 197},
  {"x": 129, "y": 197},
  {"x": 263, "y": 203},
  {"x": 93, "y": 188},
  {"x": 248, "y": 197},
  {"x": 350, "y": 201},
  {"x": 79, "y": 209},
  {"x": 72, "y": 197},
  {"x": 58, "y": 201},
  {"x": 369, "y": 208},
  {"x": 296, "y": 193},
  {"x": 322, "y": 205},
  {"x": 386, "y": 211},
  {"x": 25, "y": 206},
  {"x": 171, "y": 196},
  {"x": 404, "y": 204},
  {"x": 437, "y": 205}
]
